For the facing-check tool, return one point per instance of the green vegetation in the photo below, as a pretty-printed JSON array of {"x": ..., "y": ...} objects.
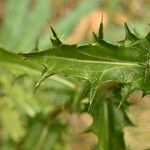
[{"x": 96, "y": 78}]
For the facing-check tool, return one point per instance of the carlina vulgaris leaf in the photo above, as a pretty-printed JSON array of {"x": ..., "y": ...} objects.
[
  {"x": 42, "y": 78},
  {"x": 101, "y": 30},
  {"x": 92, "y": 95},
  {"x": 45, "y": 74},
  {"x": 56, "y": 41},
  {"x": 129, "y": 35},
  {"x": 100, "y": 35}
]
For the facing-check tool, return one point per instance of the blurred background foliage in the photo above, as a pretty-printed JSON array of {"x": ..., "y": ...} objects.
[{"x": 50, "y": 118}]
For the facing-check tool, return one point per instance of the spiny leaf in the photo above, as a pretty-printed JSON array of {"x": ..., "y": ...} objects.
[
  {"x": 66, "y": 25},
  {"x": 56, "y": 41},
  {"x": 84, "y": 66},
  {"x": 102, "y": 64},
  {"x": 42, "y": 78},
  {"x": 108, "y": 121},
  {"x": 129, "y": 35},
  {"x": 100, "y": 33}
]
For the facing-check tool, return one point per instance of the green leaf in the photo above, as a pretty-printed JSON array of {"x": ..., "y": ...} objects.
[
  {"x": 108, "y": 120},
  {"x": 129, "y": 36},
  {"x": 71, "y": 19},
  {"x": 92, "y": 63},
  {"x": 100, "y": 32},
  {"x": 101, "y": 64},
  {"x": 56, "y": 41}
]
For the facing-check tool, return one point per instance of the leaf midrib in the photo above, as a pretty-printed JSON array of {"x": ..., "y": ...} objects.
[{"x": 98, "y": 62}]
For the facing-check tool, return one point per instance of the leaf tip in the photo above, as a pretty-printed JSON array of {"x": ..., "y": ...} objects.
[
  {"x": 100, "y": 33},
  {"x": 128, "y": 34},
  {"x": 56, "y": 41},
  {"x": 127, "y": 30}
]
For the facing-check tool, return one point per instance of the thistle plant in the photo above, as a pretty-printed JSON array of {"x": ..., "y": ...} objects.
[{"x": 111, "y": 72}]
